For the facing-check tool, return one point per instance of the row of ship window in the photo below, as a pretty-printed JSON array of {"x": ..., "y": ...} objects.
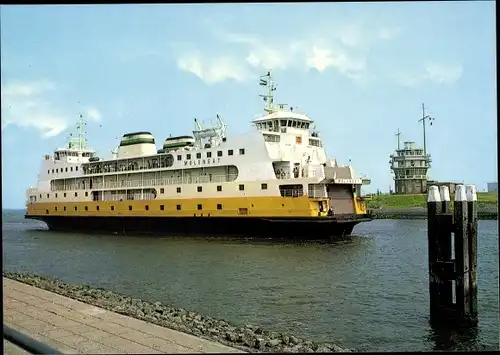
[
  {"x": 179, "y": 157},
  {"x": 241, "y": 187},
  {"x": 199, "y": 207},
  {"x": 57, "y": 170},
  {"x": 209, "y": 154}
]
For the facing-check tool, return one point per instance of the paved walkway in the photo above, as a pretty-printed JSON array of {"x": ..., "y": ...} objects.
[{"x": 74, "y": 327}]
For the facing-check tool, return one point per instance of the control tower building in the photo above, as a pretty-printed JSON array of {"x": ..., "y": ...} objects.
[{"x": 410, "y": 166}]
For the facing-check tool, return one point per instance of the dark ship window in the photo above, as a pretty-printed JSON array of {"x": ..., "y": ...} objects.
[
  {"x": 209, "y": 154},
  {"x": 242, "y": 187},
  {"x": 263, "y": 186},
  {"x": 219, "y": 188},
  {"x": 200, "y": 207},
  {"x": 242, "y": 151},
  {"x": 230, "y": 152},
  {"x": 219, "y": 153},
  {"x": 162, "y": 207},
  {"x": 219, "y": 206},
  {"x": 178, "y": 207},
  {"x": 199, "y": 189}
]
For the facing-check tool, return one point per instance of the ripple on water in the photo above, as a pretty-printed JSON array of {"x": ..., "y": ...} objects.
[{"x": 368, "y": 292}]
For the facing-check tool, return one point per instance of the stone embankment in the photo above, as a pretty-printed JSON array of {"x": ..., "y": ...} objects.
[
  {"x": 484, "y": 213},
  {"x": 249, "y": 337}
]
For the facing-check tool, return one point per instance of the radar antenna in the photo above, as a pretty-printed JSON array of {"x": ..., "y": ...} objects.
[{"x": 267, "y": 81}]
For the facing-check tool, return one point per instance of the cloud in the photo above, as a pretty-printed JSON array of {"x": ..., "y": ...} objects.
[
  {"x": 213, "y": 70},
  {"x": 432, "y": 72},
  {"x": 249, "y": 55},
  {"x": 94, "y": 114},
  {"x": 28, "y": 104},
  {"x": 387, "y": 33},
  {"x": 443, "y": 74}
]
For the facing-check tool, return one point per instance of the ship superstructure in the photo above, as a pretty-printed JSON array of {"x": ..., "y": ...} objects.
[{"x": 274, "y": 180}]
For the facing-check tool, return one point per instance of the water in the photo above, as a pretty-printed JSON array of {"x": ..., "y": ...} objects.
[{"x": 368, "y": 292}]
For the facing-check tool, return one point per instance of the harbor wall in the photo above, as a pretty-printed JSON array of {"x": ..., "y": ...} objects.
[
  {"x": 488, "y": 212},
  {"x": 249, "y": 338}
]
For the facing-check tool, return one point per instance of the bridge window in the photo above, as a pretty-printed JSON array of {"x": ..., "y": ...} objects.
[
  {"x": 219, "y": 188},
  {"x": 242, "y": 151},
  {"x": 230, "y": 152},
  {"x": 219, "y": 206},
  {"x": 209, "y": 154},
  {"x": 198, "y": 155},
  {"x": 200, "y": 207}
]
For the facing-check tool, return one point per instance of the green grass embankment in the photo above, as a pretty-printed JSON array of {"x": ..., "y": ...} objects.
[{"x": 414, "y": 206}]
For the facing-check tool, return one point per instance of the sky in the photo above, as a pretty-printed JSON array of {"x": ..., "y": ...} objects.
[{"x": 361, "y": 71}]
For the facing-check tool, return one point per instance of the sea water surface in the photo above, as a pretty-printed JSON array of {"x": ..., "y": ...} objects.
[{"x": 368, "y": 292}]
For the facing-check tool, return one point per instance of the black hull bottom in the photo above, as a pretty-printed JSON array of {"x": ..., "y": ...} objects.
[{"x": 308, "y": 228}]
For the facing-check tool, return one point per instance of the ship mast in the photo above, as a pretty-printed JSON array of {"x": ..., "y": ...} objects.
[
  {"x": 266, "y": 80},
  {"x": 80, "y": 141}
]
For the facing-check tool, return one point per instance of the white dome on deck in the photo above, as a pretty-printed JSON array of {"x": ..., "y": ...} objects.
[{"x": 136, "y": 144}]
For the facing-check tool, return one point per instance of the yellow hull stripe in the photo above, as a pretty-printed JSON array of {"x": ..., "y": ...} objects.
[{"x": 217, "y": 207}]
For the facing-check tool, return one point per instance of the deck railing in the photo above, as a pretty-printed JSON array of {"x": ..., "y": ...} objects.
[{"x": 122, "y": 184}]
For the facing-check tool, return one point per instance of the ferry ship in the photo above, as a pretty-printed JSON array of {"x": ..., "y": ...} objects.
[{"x": 274, "y": 181}]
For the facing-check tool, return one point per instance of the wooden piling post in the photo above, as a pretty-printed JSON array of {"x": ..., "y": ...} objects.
[
  {"x": 471, "y": 194},
  {"x": 433, "y": 208},
  {"x": 443, "y": 227},
  {"x": 461, "y": 218},
  {"x": 444, "y": 257}
]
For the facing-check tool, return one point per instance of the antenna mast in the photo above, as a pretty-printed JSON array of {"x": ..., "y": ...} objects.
[
  {"x": 423, "y": 119},
  {"x": 398, "y": 135},
  {"x": 266, "y": 80},
  {"x": 79, "y": 142}
]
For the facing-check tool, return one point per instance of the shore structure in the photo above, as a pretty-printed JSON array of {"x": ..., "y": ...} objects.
[
  {"x": 83, "y": 319},
  {"x": 273, "y": 181}
]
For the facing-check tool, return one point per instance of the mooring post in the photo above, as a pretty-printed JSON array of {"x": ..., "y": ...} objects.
[
  {"x": 433, "y": 208},
  {"x": 444, "y": 261},
  {"x": 461, "y": 254},
  {"x": 472, "y": 232}
]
